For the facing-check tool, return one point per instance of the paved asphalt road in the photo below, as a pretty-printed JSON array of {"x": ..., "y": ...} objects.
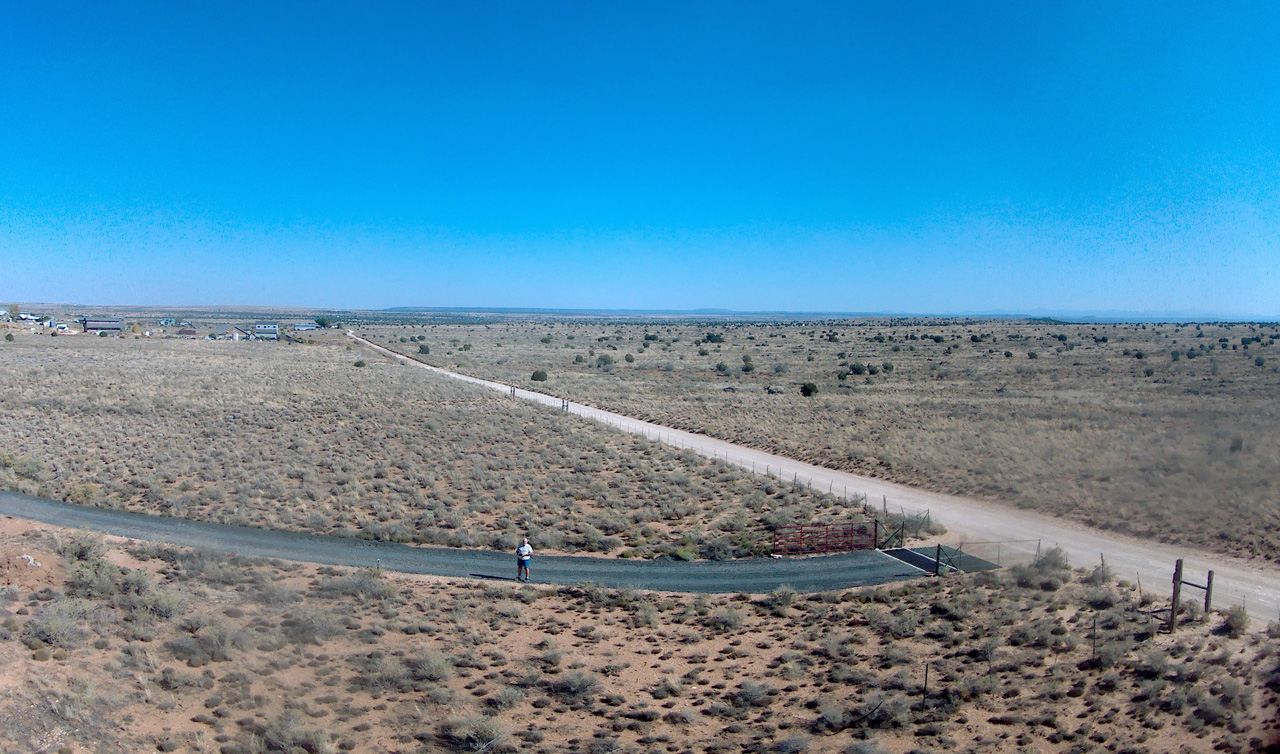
[
  {"x": 754, "y": 576},
  {"x": 1237, "y": 581}
]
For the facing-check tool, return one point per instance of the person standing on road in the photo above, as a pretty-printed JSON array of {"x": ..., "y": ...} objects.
[{"x": 523, "y": 553}]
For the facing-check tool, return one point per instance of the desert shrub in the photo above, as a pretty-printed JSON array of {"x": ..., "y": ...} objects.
[
  {"x": 505, "y": 699},
  {"x": 974, "y": 686},
  {"x": 724, "y": 619},
  {"x": 94, "y": 578},
  {"x": 136, "y": 582},
  {"x": 213, "y": 567},
  {"x": 880, "y": 711},
  {"x": 792, "y": 745},
  {"x": 59, "y": 623},
  {"x": 1236, "y": 622},
  {"x": 366, "y": 583},
  {"x": 285, "y": 733},
  {"x": 751, "y": 694},
  {"x": 539, "y": 375},
  {"x": 360, "y": 363},
  {"x": 476, "y": 734},
  {"x": 163, "y": 603},
  {"x": 83, "y": 547},
  {"x": 211, "y": 642},
  {"x": 429, "y": 665},
  {"x": 378, "y": 672},
  {"x": 666, "y": 688},
  {"x": 274, "y": 594},
  {"x": 1153, "y": 664},
  {"x": 1054, "y": 559},
  {"x": 780, "y": 599},
  {"x": 1101, "y": 599},
  {"x": 308, "y": 626},
  {"x": 1101, "y": 575},
  {"x": 809, "y": 389},
  {"x": 574, "y": 687},
  {"x": 644, "y": 614}
]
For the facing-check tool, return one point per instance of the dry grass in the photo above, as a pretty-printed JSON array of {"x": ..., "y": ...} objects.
[
  {"x": 296, "y": 437},
  {"x": 1163, "y": 431},
  {"x": 264, "y": 656}
]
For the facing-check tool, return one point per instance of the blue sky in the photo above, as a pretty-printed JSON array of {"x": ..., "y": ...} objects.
[{"x": 926, "y": 157}]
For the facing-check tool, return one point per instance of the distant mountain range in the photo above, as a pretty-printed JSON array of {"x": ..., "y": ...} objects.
[
  {"x": 1062, "y": 315},
  {"x": 1091, "y": 316}
]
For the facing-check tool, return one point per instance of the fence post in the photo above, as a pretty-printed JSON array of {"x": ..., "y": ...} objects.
[
  {"x": 1177, "y": 595},
  {"x": 1208, "y": 593},
  {"x": 937, "y": 562},
  {"x": 875, "y": 534}
]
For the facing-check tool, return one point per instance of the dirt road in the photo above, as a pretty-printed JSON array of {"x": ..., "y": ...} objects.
[
  {"x": 754, "y": 576},
  {"x": 969, "y": 521}
]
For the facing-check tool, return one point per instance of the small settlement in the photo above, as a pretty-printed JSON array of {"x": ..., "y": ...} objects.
[{"x": 166, "y": 327}]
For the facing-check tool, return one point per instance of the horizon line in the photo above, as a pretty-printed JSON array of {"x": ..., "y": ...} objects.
[{"x": 1065, "y": 315}]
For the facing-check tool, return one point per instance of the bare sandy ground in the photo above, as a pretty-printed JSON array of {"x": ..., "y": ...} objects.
[{"x": 1237, "y": 581}]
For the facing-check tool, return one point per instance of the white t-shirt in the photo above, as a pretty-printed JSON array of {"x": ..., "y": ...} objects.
[{"x": 524, "y": 551}]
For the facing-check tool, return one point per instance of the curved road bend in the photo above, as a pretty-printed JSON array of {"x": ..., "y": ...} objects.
[
  {"x": 1236, "y": 581},
  {"x": 758, "y": 576}
]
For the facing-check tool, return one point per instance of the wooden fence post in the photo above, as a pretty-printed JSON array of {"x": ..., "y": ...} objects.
[
  {"x": 1177, "y": 595},
  {"x": 937, "y": 562},
  {"x": 1208, "y": 593}
]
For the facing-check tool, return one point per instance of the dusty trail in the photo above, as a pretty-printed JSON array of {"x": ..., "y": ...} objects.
[{"x": 1237, "y": 581}]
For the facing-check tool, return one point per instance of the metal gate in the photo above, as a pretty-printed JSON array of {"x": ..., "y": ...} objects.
[{"x": 806, "y": 539}]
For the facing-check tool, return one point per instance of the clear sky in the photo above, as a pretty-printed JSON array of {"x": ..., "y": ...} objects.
[{"x": 852, "y": 156}]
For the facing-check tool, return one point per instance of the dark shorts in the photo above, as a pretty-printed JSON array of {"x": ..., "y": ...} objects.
[{"x": 522, "y": 562}]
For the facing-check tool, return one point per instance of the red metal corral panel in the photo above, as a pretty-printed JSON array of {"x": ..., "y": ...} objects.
[{"x": 805, "y": 539}]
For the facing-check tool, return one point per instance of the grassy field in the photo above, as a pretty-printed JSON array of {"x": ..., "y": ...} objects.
[
  {"x": 110, "y": 647},
  {"x": 1163, "y": 431},
  {"x": 298, "y": 437}
]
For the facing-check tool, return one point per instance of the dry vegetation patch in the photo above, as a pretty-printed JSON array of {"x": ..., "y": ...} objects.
[
  {"x": 146, "y": 647},
  {"x": 296, "y": 437},
  {"x": 1158, "y": 430}
]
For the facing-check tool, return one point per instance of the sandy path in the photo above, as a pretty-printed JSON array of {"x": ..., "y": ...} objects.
[{"x": 1236, "y": 580}]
